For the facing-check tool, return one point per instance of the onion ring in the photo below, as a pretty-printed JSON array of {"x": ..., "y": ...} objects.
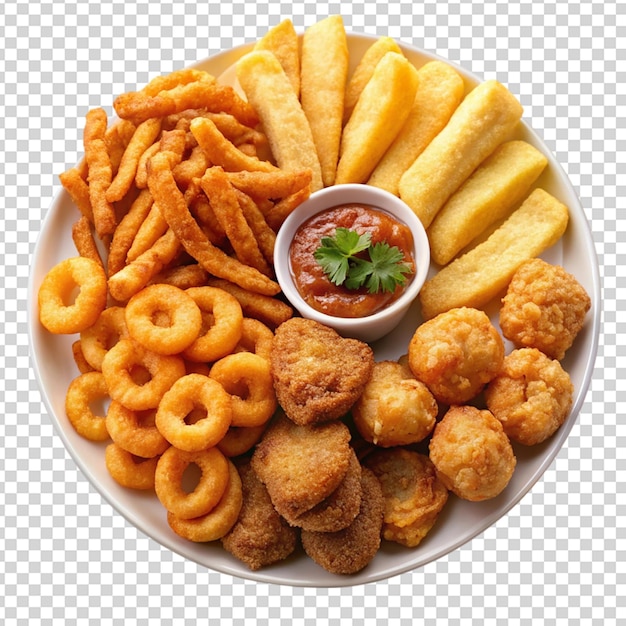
[
  {"x": 194, "y": 391},
  {"x": 256, "y": 337},
  {"x": 120, "y": 366},
  {"x": 239, "y": 440},
  {"x": 247, "y": 377},
  {"x": 57, "y": 312},
  {"x": 135, "y": 431},
  {"x": 168, "y": 481},
  {"x": 171, "y": 305},
  {"x": 82, "y": 393},
  {"x": 215, "y": 524},
  {"x": 129, "y": 471},
  {"x": 108, "y": 329},
  {"x": 222, "y": 315}
]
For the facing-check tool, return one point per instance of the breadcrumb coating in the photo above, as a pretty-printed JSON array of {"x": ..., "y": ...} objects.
[
  {"x": 395, "y": 408},
  {"x": 531, "y": 396},
  {"x": 544, "y": 308},
  {"x": 472, "y": 454},
  {"x": 456, "y": 354}
]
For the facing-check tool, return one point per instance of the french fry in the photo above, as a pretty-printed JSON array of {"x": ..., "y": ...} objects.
[
  {"x": 485, "y": 119},
  {"x": 225, "y": 204},
  {"x": 282, "y": 41},
  {"x": 84, "y": 241},
  {"x": 137, "y": 274},
  {"x": 143, "y": 137},
  {"x": 364, "y": 70},
  {"x": 270, "y": 93},
  {"x": 270, "y": 311},
  {"x": 377, "y": 118},
  {"x": 192, "y": 167},
  {"x": 220, "y": 151},
  {"x": 324, "y": 70},
  {"x": 175, "y": 210},
  {"x": 479, "y": 275},
  {"x": 126, "y": 231},
  {"x": 264, "y": 235},
  {"x": 485, "y": 198},
  {"x": 100, "y": 172},
  {"x": 275, "y": 185},
  {"x": 174, "y": 79},
  {"x": 139, "y": 106},
  {"x": 78, "y": 189},
  {"x": 141, "y": 177},
  {"x": 153, "y": 227},
  {"x": 440, "y": 90}
]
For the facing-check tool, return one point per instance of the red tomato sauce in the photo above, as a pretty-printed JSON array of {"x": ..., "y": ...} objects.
[{"x": 312, "y": 282}]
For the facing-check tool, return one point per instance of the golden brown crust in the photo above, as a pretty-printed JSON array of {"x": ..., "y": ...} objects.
[
  {"x": 544, "y": 308},
  {"x": 318, "y": 375},
  {"x": 456, "y": 354},
  {"x": 349, "y": 550},
  {"x": 260, "y": 536},
  {"x": 414, "y": 495},
  {"x": 531, "y": 396},
  {"x": 301, "y": 465},
  {"x": 471, "y": 453}
]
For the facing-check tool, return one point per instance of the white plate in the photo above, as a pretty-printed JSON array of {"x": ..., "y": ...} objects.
[{"x": 460, "y": 520}]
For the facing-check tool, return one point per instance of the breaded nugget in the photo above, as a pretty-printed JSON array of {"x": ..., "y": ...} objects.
[
  {"x": 395, "y": 408},
  {"x": 472, "y": 454},
  {"x": 260, "y": 536},
  {"x": 531, "y": 396},
  {"x": 301, "y": 465},
  {"x": 414, "y": 495},
  {"x": 340, "y": 508},
  {"x": 349, "y": 550},
  {"x": 456, "y": 354},
  {"x": 318, "y": 375},
  {"x": 544, "y": 308}
]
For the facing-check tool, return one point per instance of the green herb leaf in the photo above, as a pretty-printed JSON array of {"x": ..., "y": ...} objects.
[{"x": 383, "y": 271}]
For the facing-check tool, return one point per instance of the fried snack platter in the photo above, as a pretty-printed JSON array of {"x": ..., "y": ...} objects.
[{"x": 459, "y": 522}]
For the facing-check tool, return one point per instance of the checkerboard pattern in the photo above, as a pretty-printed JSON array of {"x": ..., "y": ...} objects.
[{"x": 66, "y": 557}]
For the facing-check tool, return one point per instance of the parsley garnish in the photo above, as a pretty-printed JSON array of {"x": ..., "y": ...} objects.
[{"x": 383, "y": 268}]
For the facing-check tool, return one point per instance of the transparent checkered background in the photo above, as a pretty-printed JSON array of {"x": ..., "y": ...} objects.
[{"x": 66, "y": 557}]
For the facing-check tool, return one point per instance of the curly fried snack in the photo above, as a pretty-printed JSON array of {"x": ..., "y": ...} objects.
[
  {"x": 178, "y": 326},
  {"x": 544, "y": 308},
  {"x": 481, "y": 274},
  {"x": 129, "y": 471},
  {"x": 57, "y": 312},
  {"x": 186, "y": 394},
  {"x": 219, "y": 520},
  {"x": 485, "y": 118},
  {"x": 472, "y": 454},
  {"x": 456, "y": 354},
  {"x": 349, "y": 550},
  {"x": 395, "y": 408},
  {"x": 168, "y": 481},
  {"x": 333, "y": 378},
  {"x": 260, "y": 536},
  {"x": 301, "y": 465},
  {"x": 340, "y": 508},
  {"x": 414, "y": 496},
  {"x": 84, "y": 392},
  {"x": 531, "y": 396}
]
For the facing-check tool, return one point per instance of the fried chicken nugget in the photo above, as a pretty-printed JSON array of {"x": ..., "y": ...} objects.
[
  {"x": 301, "y": 465},
  {"x": 340, "y": 508},
  {"x": 456, "y": 354},
  {"x": 531, "y": 396},
  {"x": 260, "y": 536},
  {"x": 318, "y": 375},
  {"x": 395, "y": 408},
  {"x": 414, "y": 495},
  {"x": 349, "y": 550},
  {"x": 544, "y": 308},
  {"x": 472, "y": 454}
]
